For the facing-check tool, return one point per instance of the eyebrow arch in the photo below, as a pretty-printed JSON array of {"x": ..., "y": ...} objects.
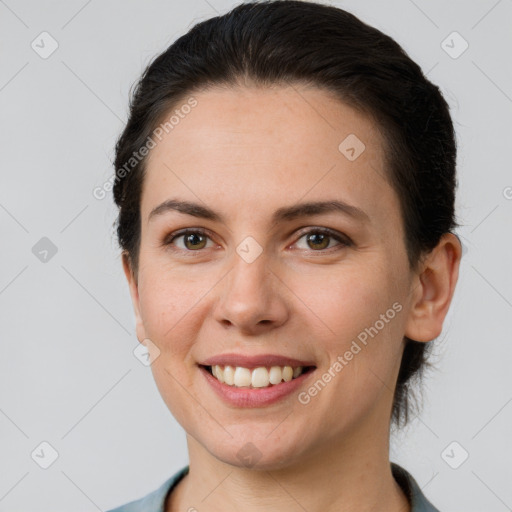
[{"x": 286, "y": 213}]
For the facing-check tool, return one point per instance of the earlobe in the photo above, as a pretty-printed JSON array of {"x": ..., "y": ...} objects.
[
  {"x": 134, "y": 293},
  {"x": 433, "y": 290}
]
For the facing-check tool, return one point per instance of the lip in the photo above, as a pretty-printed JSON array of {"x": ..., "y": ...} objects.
[
  {"x": 255, "y": 397},
  {"x": 255, "y": 361}
]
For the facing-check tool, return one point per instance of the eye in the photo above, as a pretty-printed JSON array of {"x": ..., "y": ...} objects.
[
  {"x": 319, "y": 239},
  {"x": 193, "y": 239}
]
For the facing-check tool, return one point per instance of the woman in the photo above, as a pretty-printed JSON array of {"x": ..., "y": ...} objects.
[{"x": 286, "y": 185}]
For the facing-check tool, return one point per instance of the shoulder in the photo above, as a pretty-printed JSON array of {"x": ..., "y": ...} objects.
[
  {"x": 154, "y": 501},
  {"x": 418, "y": 501}
]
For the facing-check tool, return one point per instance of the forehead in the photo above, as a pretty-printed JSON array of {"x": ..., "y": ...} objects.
[{"x": 248, "y": 148}]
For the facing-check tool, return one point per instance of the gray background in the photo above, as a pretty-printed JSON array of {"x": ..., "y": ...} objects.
[{"x": 68, "y": 375}]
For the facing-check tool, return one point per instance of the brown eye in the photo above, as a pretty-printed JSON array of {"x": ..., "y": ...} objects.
[
  {"x": 319, "y": 239},
  {"x": 193, "y": 240}
]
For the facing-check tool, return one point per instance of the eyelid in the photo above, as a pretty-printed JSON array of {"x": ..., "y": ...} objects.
[
  {"x": 340, "y": 237},
  {"x": 181, "y": 232},
  {"x": 328, "y": 231}
]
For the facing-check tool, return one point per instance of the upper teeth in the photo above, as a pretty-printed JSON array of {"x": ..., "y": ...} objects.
[{"x": 257, "y": 378}]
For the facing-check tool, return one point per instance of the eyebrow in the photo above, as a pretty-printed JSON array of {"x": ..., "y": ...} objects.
[{"x": 286, "y": 213}]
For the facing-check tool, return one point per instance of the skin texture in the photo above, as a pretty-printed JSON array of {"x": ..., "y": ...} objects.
[{"x": 245, "y": 152}]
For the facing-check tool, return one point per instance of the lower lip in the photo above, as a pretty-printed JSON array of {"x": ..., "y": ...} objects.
[{"x": 254, "y": 397}]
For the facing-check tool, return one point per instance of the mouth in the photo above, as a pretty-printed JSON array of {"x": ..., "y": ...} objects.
[{"x": 259, "y": 377}]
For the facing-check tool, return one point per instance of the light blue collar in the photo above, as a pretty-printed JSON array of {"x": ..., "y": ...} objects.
[{"x": 155, "y": 501}]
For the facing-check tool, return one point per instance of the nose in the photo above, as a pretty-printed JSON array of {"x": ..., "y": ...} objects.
[{"x": 252, "y": 298}]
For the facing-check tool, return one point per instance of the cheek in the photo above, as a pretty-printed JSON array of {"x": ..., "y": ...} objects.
[
  {"x": 169, "y": 307},
  {"x": 358, "y": 317},
  {"x": 344, "y": 301}
]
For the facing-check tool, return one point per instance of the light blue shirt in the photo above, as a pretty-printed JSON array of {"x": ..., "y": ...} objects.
[{"x": 155, "y": 501}]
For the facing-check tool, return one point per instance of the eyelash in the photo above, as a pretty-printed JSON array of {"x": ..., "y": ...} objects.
[{"x": 344, "y": 240}]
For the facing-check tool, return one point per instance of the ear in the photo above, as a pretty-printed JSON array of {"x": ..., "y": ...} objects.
[
  {"x": 433, "y": 289},
  {"x": 134, "y": 292}
]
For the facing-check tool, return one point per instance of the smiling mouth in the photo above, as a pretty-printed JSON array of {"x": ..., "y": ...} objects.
[{"x": 261, "y": 377}]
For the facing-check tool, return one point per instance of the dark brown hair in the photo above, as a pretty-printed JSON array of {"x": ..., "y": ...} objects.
[{"x": 297, "y": 42}]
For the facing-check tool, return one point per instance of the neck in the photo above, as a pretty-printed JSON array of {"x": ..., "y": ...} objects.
[{"x": 343, "y": 476}]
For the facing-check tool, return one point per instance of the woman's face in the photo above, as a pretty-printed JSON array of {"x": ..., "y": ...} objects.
[{"x": 255, "y": 283}]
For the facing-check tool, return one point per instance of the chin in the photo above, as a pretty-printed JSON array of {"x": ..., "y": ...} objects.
[{"x": 261, "y": 454}]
